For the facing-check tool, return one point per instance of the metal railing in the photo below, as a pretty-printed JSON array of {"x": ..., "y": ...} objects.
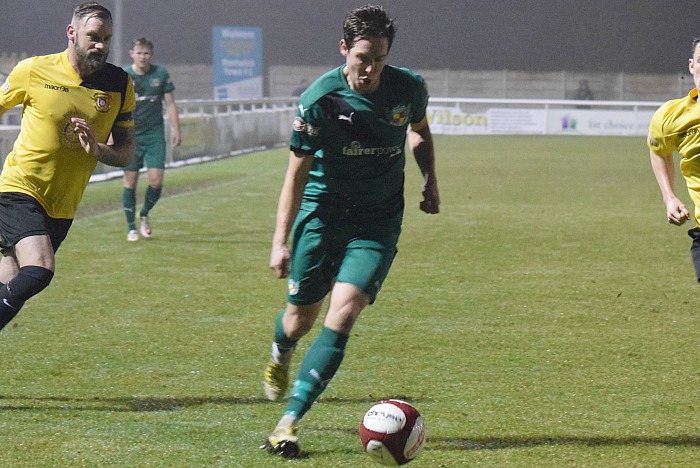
[{"x": 218, "y": 129}]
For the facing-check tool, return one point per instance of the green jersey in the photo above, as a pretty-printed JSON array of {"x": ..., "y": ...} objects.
[
  {"x": 150, "y": 89},
  {"x": 358, "y": 143}
]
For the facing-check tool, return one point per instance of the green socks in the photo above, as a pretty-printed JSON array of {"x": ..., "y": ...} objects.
[
  {"x": 318, "y": 367},
  {"x": 129, "y": 204},
  {"x": 152, "y": 196},
  {"x": 284, "y": 343}
]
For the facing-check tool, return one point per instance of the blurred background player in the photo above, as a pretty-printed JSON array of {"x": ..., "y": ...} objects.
[
  {"x": 675, "y": 126},
  {"x": 72, "y": 101},
  {"x": 153, "y": 87},
  {"x": 343, "y": 191}
]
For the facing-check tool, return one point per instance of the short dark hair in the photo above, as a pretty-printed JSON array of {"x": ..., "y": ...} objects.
[
  {"x": 696, "y": 41},
  {"x": 141, "y": 42},
  {"x": 370, "y": 21},
  {"x": 91, "y": 9}
]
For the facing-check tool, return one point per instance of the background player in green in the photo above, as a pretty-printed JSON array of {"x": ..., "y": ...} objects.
[
  {"x": 675, "y": 126},
  {"x": 73, "y": 101},
  {"x": 153, "y": 87},
  {"x": 343, "y": 191}
]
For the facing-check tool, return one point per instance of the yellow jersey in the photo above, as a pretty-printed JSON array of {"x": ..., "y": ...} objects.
[
  {"x": 47, "y": 160},
  {"x": 675, "y": 126}
]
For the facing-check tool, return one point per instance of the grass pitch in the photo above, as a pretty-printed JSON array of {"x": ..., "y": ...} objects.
[{"x": 545, "y": 318}]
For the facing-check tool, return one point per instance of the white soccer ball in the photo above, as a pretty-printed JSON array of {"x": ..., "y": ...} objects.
[{"x": 392, "y": 432}]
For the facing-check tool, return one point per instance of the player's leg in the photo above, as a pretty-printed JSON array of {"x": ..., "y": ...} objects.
[
  {"x": 695, "y": 250},
  {"x": 8, "y": 267},
  {"x": 8, "y": 270},
  {"x": 154, "y": 157},
  {"x": 32, "y": 261},
  {"x": 323, "y": 358},
  {"x": 318, "y": 367},
  {"x": 309, "y": 282},
  {"x": 364, "y": 266},
  {"x": 292, "y": 324},
  {"x": 131, "y": 178},
  {"x": 153, "y": 192},
  {"x": 29, "y": 239}
]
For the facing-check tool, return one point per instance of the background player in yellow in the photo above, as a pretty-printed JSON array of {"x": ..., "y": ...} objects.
[
  {"x": 72, "y": 102},
  {"x": 676, "y": 127}
]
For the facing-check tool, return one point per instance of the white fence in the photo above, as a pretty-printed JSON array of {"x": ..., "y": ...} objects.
[
  {"x": 222, "y": 128},
  {"x": 210, "y": 130},
  {"x": 455, "y": 116},
  {"x": 218, "y": 129}
]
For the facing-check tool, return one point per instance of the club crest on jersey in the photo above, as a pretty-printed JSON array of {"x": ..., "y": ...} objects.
[
  {"x": 155, "y": 83},
  {"x": 69, "y": 138},
  {"x": 102, "y": 102},
  {"x": 300, "y": 125},
  {"x": 292, "y": 287},
  {"x": 399, "y": 115},
  {"x": 6, "y": 87}
]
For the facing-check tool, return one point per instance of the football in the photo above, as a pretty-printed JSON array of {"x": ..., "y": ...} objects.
[{"x": 392, "y": 432}]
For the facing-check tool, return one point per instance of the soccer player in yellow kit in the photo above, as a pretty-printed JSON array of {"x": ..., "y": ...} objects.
[
  {"x": 72, "y": 102},
  {"x": 676, "y": 127}
]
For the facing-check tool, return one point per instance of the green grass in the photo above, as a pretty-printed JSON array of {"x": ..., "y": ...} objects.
[{"x": 545, "y": 318}]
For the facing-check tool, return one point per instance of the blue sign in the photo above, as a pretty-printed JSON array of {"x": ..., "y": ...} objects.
[{"x": 238, "y": 70}]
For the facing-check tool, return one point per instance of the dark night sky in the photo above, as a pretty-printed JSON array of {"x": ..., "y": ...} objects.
[{"x": 634, "y": 36}]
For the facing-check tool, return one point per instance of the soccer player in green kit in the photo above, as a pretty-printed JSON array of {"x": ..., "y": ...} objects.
[
  {"x": 153, "y": 87},
  {"x": 342, "y": 202},
  {"x": 675, "y": 126}
]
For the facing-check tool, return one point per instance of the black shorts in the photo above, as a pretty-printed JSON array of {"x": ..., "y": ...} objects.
[{"x": 22, "y": 216}]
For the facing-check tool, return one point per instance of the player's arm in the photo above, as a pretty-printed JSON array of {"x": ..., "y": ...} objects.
[
  {"x": 662, "y": 166},
  {"x": 118, "y": 152},
  {"x": 174, "y": 117},
  {"x": 121, "y": 151},
  {"x": 287, "y": 209},
  {"x": 3, "y": 110},
  {"x": 420, "y": 140}
]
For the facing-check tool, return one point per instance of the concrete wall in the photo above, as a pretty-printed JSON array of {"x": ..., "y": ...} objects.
[{"x": 194, "y": 81}]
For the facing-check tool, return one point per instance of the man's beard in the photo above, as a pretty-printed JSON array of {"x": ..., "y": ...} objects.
[{"x": 93, "y": 61}]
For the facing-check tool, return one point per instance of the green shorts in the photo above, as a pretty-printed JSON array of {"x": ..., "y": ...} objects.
[
  {"x": 323, "y": 253},
  {"x": 150, "y": 150}
]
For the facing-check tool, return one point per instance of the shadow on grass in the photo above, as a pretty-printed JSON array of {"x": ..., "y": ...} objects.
[
  {"x": 514, "y": 442},
  {"x": 142, "y": 404},
  {"x": 500, "y": 443},
  {"x": 154, "y": 404},
  {"x": 127, "y": 404}
]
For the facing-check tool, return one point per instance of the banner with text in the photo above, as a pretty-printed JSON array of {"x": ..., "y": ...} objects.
[
  {"x": 451, "y": 120},
  {"x": 238, "y": 69}
]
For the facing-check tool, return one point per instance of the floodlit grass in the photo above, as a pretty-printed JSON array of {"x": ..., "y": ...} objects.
[{"x": 545, "y": 318}]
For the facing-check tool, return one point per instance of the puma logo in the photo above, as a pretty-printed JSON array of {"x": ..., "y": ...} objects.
[{"x": 347, "y": 118}]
